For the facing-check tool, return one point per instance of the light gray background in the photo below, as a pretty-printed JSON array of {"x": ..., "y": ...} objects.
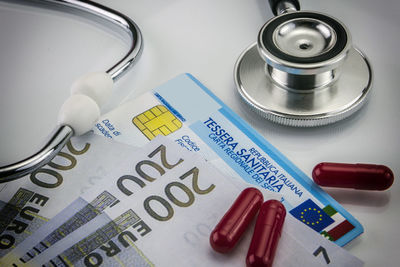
[{"x": 42, "y": 52}]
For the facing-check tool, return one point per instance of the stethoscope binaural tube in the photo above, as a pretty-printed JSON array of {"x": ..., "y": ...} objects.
[
  {"x": 87, "y": 93},
  {"x": 303, "y": 71}
]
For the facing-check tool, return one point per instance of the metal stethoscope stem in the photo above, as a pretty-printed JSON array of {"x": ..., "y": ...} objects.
[
  {"x": 64, "y": 132},
  {"x": 285, "y": 6}
]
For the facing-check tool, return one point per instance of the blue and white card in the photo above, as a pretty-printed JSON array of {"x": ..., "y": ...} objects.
[{"x": 186, "y": 111}]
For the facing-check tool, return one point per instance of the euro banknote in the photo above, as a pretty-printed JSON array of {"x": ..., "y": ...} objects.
[
  {"x": 169, "y": 222},
  {"x": 120, "y": 182},
  {"x": 29, "y": 202}
]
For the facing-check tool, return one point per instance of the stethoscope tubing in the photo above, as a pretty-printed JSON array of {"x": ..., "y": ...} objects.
[{"x": 63, "y": 133}]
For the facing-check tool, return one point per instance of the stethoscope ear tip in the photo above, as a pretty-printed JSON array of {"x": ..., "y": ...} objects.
[
  {"x": 80, "y": 112},
  {"x": 96, "y": 85},
  {"x": 82, "y": 109}
]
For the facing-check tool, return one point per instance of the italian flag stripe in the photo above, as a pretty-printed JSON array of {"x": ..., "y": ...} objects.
[
  {"x": 340, "y": 230},
  {"x": 329, "y": 210}
]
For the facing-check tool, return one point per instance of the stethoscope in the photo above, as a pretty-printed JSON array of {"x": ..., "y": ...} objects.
[
  {"x": 303, "y": 71},
  {"x": 82, "y": 109}
]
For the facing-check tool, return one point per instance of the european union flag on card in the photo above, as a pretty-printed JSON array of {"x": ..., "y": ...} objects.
[{"x": 310, "y": 214}]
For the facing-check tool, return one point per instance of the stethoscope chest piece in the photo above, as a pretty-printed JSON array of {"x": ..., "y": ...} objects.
[{"x": 303, "y": 71}]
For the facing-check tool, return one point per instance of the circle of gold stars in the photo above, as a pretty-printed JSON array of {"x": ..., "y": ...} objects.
[{"x": 307, "y": 222}]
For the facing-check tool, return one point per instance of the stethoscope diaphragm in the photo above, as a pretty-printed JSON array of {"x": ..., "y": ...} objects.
[{"x": 303, "y": 71}]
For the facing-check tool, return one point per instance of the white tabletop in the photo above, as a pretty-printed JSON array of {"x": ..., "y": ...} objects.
[{"x": 42, "y": 52}]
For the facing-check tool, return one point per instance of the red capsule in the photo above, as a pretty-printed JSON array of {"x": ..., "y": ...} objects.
[
  {"x": 357, "y": 176},
  {"x": 235, "y": 221},
  {"x": 266, "y": 234}
]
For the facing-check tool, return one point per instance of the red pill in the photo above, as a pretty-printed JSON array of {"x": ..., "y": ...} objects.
[
  {"x": 357, "y": 176},
  {"x": 266, "y": 234},
  {"x": 235, "y": 221}
]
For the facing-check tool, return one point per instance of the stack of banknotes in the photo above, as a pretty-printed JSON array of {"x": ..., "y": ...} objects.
[{"x": 104, "y": 203}]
